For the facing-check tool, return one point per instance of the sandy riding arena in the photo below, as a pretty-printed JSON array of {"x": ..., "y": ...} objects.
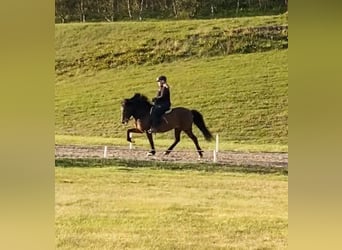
[{"x": 222, "y": 157}]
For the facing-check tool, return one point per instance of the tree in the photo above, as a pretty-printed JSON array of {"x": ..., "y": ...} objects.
[
  {"x": 129, "y": 9},
  {"x": 111, "y": 10},
  {"x": 64, "y": 9}
]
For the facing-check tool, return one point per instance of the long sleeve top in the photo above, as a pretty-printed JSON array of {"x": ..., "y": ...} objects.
[{"x": 163, "y": 96}]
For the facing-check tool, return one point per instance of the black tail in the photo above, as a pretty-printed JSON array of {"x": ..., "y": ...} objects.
[{"x": 199, "y": 122}]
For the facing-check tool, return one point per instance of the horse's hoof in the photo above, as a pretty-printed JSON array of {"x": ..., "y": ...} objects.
[
  {"x": 151, "y": 153},
  {"x": 166, "y": 152}
]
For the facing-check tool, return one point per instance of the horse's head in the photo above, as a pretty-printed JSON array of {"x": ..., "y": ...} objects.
[
  {"x": 138, "y": 106},
  {"x": 126, "y": 110}
]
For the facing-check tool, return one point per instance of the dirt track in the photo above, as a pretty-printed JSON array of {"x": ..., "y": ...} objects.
[{"x": 223, "y": 157}]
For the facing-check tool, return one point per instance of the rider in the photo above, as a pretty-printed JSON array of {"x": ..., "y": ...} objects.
[{"x": 161, "y": 102}]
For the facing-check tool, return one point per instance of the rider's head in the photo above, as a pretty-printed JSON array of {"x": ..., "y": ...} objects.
[{"x": 161, "y": 79}]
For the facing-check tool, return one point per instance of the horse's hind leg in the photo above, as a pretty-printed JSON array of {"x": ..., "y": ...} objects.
[
  {"x": 194, "y": 139},
  {"x": 150, "y": 139},
  {"x": 177, "y": 139}
]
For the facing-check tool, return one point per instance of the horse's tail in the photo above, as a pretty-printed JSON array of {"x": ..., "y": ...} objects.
[{"x": 199, "y": 122}]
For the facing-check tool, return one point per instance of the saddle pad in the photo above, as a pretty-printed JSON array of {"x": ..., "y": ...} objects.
[{"x": 168, "y": 111}]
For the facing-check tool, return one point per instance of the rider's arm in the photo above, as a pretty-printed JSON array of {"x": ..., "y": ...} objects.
[{"x": 162, "y": 92}]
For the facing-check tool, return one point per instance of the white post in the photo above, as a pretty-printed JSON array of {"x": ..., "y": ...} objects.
[
  {"x": 130, "y": 144},
  {"x": 214, "y": 155},
  {"x": 217, "y": 143},
  {"x": 105, "y": 152}
]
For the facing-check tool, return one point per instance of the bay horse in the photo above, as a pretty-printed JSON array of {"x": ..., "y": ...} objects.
[{"x": 180, "y": 119}]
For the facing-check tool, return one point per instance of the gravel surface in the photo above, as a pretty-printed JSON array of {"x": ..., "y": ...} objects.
[{"x": 223, "y": 157}]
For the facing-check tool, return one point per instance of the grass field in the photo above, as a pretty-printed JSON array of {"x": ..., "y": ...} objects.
[
  {"x": 90, "y": 47},
  {"x": 235, "y": 72},
  {"x": 140, "y": 141},
  {"x": 242, "y": 97},
  {"x": 143, "y": 208}
]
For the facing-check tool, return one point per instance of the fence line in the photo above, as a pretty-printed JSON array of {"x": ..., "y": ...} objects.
[
  {"x": 121, "y": 152},
  {"x": 105, "y": 151}
]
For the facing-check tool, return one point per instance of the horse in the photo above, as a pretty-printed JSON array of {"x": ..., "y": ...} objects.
[{"x": 179, "y": 118}]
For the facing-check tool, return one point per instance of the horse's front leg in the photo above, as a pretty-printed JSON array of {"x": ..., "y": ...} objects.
[
  {"x": 132, "y": 130},
  {"x": 150, "y": 139}
]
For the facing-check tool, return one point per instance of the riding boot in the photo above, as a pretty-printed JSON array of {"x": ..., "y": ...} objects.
[{"x": 155, "y": 123}]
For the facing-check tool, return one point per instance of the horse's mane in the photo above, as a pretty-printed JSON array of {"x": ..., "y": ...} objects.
[{"x": 140, "y": 97}]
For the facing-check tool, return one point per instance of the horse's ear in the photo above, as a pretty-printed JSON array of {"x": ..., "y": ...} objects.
[{"x": 136, "y": 95}]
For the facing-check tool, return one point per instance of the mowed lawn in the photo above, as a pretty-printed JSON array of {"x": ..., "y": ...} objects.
[{"x": 144, "y": 208}]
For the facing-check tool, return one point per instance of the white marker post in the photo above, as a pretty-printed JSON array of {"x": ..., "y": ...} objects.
[
  {"x": 105, "y": 152},
  {"x": 216, "y": 149},
  {"x": 130, "y": 143}
]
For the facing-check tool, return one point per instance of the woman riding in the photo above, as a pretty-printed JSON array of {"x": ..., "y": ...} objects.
[{"x": 161, "y": 103}]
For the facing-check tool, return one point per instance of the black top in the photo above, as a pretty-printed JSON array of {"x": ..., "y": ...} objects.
[{"x": 163, "y": 96}]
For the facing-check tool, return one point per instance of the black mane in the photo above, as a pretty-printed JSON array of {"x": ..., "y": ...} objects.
[{"x": 140, "y": 98}]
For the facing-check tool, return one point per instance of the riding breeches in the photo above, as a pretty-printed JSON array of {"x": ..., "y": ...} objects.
[{"x": 156, "y": 113}]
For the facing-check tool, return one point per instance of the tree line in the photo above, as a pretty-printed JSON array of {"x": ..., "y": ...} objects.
[{"x": 116, "y": 10}]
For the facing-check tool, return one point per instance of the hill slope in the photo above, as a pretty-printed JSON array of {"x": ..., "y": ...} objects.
[
  {"x": 243, "y": 97},
  {"x": 110, "y": 45}
]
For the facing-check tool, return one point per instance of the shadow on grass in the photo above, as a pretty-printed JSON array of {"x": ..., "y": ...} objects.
[{"x": 130, "y": 164}]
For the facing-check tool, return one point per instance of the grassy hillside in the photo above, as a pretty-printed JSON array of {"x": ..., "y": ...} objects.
[
  {"x": 89, "y": 47},
  {"x": 243, "y": 97},
  {"x": 127, "y": 208}
]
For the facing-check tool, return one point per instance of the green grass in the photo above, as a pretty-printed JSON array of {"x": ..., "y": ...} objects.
[
  {"x": 94, "y": 46},
  {"x": 128, "y": 208},
  {"x": 159, "y": 165},
  {"x": 140, "y": 141},
  {"x": 243, "y": 97}
]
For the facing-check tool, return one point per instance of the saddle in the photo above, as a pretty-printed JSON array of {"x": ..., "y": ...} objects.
[
  {"x": 162, "y": 116},
  {"x": 168, "y": 111},
  {"x": 165, "y": 113}
]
